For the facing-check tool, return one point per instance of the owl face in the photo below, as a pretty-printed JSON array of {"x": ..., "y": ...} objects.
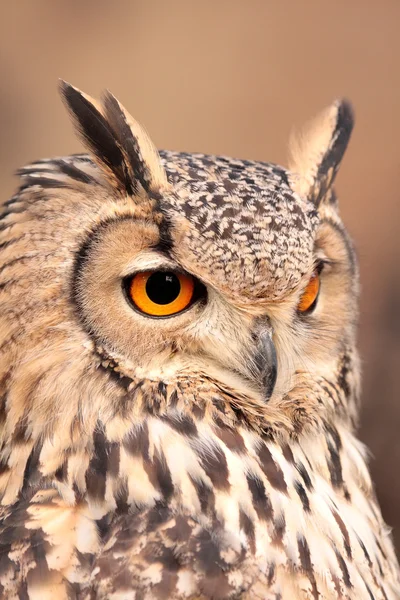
[{"x": 178, "y": 268}]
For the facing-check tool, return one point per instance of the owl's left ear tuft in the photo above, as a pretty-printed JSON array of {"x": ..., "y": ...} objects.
[
  {"x": 119, "y": 145},
  {"x": 317, "y": 152}
]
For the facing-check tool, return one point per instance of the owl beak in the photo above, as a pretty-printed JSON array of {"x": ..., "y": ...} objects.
[{"x": 266, "y": 363}]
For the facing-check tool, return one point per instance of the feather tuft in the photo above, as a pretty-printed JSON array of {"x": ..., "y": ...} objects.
[
  {"x": 317, "y": 151},
  {"x": 120, "y": 146}
]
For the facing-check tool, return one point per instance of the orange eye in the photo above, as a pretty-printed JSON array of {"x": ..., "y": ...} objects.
[
  {"x": 310, "y": 294},
  {"x": 161, "y": 293}
]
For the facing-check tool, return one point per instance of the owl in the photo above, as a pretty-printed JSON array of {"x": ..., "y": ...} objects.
[{"x": 179, "y": 376}]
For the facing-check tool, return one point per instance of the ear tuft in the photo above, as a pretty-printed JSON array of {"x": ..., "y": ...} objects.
[
  {"x": 119, "y": 145},
  {"x": 143, "y": 157},
  {"x": 316, "y": 153}
]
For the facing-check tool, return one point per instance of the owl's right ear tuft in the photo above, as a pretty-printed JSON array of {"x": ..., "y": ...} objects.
[
  {"x": 119, "y": 145},
  {"x": 316, "y": 153}
]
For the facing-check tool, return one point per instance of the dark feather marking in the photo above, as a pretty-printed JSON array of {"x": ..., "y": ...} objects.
[
  {"x": 13, "y": 200},
  {"x": 365, "y": 551},
  {"x": 103, "y": 526},
  {"x": 288, "y": 454},
  {"x": 205, "y": 495},
  {"x": 261, "y": 501},
  {"x": 343, "y": 568},
  {"x": 380, "y": 547},
  {"x": 78, "y": 493},
  {"x": 379, "y": 567},
  {"x": 61, "y": 473},
  {"x": 334, "y": 466},
  {"x": 173, "y": 399},
  {"x": 345, "y": 370},
  {"x": 32, "y": 170},
  {"x": 215, "y": 466},
  {"x": 4, "y": 468},
  {"x": 98, "y": 135},
  {"x": 63, "y": 167},
  {"x": 369, "y": 561},
  {"x": 74, "y": 172},
  {"x": 382, "y": 589},
  {"x": 247, "y": 525},
  {"x": 96, "y": 472},
  {"x": 118, "y": 378},
  {"x": 4, "y": 381},
  {"x": 162, "y": 389},
  {"x": 336, "y": 583},
  {"x": 305, "y": 561},
  {"x": 271, "y": 574},
  {"x": 128, "y": 142},
  {"x": 302, "y": 495},
  {"x": 183, "y": 424},
  {"x": 333, "y": 432},
  {"x": 122, "y": 497},
  {"x": 231, "y": 438},
  {"x": 346, "y": 494},
  {"x": 372, "y": 597},
  {"x": 305, "y": 476},
  {"x": 43, "y": 182},
  {"x": 345, "y": 533},
  {"x": 32, "y": 475},
  {"x": 20, "y": 433},
  {"x": 136, "y": 442},
  {"x": 9, "y": 282},
  {"x": 270, "y": 469},
  {"x": 159, "y": 474}
]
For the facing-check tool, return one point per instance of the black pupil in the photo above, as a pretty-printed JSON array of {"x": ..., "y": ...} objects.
[{"x": 163, "y": 287}]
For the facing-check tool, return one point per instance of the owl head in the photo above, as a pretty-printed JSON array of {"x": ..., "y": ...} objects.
[{"x": 134, "y": 281}]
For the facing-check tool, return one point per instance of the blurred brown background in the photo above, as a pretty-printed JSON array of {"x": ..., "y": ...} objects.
[{"x": 233, "y": 77}]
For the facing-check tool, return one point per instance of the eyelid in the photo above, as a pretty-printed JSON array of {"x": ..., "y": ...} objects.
[
  {"x": 149, "y": 261},
  {"x": 326, "y": 264}
]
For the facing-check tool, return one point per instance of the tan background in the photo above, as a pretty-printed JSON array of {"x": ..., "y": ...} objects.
[{"x": 233, "y": 77}]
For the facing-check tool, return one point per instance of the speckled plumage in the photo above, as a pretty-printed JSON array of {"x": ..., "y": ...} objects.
[{"x": 145, "y": 458}]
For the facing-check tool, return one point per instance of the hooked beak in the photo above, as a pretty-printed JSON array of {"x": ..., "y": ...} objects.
[{"x": 266, "y": 363}]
